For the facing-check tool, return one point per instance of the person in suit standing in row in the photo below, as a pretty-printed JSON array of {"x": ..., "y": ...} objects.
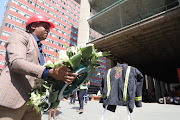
[{"x": 24, "y": 63}]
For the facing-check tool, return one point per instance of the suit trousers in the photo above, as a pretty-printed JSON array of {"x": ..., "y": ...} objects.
[{"x": 26, "y": 112}]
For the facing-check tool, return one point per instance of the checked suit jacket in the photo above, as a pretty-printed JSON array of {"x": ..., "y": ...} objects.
[{"x": 21, "y": 68}]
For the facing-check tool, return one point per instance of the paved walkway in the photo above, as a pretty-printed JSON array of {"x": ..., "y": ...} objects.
[{"x": 93, "y": 111}]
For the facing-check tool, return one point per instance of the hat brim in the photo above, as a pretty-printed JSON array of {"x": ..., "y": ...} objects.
[{"x": 51, "y": 25}]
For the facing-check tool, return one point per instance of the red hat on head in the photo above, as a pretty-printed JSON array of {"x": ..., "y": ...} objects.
[{"x": 38, "y": 18}]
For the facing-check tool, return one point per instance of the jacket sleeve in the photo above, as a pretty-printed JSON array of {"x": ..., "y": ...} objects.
[
  {"x": 16, "y": 49},
  {"x": 101, "y": 90},
  {"x": 139, "y": 84}
]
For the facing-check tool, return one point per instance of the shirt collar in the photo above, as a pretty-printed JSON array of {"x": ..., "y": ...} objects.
[{"x": 37, "y": 40}]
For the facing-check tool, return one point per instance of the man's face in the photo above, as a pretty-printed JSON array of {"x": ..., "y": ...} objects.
[{"x": 41, "y": 30}]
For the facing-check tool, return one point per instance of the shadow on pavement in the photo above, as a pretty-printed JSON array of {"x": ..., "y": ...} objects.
[
  {"x": 57, "y": 112},
  {"x": 75, "y": 108}
]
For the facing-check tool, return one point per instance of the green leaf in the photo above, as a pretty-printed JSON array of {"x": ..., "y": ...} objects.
[
  {"x": 87, "y": 51},
  {"x": 66, "y": 46},
  {"x": 75, "y": 60},
  {"x": 105, "y": 54},
  {"x": 57, "y": 65},
  {"x": 46, "y": 86}
]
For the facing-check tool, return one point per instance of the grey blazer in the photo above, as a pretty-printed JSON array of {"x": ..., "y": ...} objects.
[{"x": 22, "y": 67}]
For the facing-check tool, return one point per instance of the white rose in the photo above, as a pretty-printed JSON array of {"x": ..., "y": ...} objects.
[
  {"x": 99, "y": 54},
  {"x": 63, "y": 56},
  {"x": 73, "y": 49},
  {"x": 49, "y": 62}
]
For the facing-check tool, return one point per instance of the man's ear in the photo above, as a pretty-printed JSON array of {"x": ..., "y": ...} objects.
[{"x": 33, "y": 26}]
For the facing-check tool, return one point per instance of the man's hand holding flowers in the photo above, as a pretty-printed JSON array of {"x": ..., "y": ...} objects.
[{"x": 62, "y": 73}]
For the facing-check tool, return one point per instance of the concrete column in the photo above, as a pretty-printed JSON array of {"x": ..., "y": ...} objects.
[
  {"x": 146, "y": 81},
  {"x": 163, "y": 90},
  {"x": 166, "y": 87},
  {"x": 157, "y": 89},
  {"x": 109, "y": 63},
  {"x": 83, "y": 31},
  {"x": 151, "y": 90},
  {"x": 150, "y": 84}
]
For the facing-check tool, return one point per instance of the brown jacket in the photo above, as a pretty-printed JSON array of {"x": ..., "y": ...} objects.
[{"x": 22, "y": 67}]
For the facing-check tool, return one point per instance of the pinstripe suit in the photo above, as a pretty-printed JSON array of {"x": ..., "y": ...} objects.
[{"x": 22, "y": 66}]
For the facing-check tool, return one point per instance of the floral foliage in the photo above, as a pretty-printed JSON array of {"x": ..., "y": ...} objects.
[{"x": 44, "y": 95}]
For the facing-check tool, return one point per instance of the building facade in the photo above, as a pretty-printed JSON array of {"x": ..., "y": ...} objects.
[
  {"x": 63, "y": 13},
  {"x": 144, "y": 34}
]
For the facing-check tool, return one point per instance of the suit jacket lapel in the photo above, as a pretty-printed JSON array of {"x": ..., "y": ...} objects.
[
  {"x": 36, "y": 47},
  {"x": 44, "y": 57}
]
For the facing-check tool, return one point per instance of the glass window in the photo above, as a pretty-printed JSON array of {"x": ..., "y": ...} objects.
[
  {"x": 12, "y": 9},
  {"x": 6, "y": 33},
  {"x": 2, "y": 42}
]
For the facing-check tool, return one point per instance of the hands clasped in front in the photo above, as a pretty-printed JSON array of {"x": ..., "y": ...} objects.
[{"x": 63, "y": 74}]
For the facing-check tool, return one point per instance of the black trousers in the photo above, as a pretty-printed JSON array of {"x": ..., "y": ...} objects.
[{"x": 81, "y": 93}]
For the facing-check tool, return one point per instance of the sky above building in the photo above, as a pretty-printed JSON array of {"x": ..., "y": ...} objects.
[{"x": 2, "y": 9}]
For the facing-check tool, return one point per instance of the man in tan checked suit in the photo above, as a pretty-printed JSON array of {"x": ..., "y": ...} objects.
[{"x": 24, "y": 64}]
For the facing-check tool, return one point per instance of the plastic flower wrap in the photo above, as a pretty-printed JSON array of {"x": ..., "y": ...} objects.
[{"x": 47, "y": 93}]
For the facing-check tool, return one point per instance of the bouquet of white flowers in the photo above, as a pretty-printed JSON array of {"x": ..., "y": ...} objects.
[{"x": 47, "y": 93}]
